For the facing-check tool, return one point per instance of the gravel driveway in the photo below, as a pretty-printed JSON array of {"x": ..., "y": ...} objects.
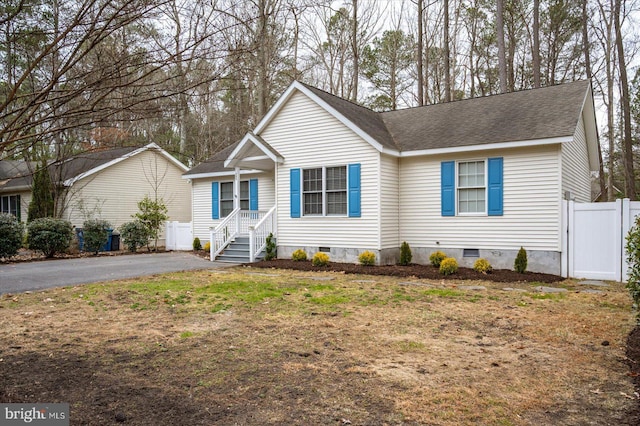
[{"x": 25, "y": 276}]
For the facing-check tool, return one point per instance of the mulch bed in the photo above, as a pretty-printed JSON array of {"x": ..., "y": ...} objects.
[{"x": 413, "y": 270}]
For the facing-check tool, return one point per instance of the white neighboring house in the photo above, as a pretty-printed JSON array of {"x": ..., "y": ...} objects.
[
  {"x": 105, "y": 184},
  {"x": 473, "y": 178}
]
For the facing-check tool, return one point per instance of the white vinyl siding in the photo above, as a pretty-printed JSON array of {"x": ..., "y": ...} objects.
[
  {"x": 576, "y": 176},
  {"x": 389, "y": 202},
  {"x": 202, "y": 209},
  {"x": 531, "y": 204},
  {"x": 113, "y": 193},
  {"x": 309, "y": 137}
]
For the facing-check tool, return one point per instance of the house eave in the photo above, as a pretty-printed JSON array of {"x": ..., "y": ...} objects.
[
  {"x": 233, "y": 160},
  {"x": 486, "y": 147},
  {"x": 219, "y": 174}
]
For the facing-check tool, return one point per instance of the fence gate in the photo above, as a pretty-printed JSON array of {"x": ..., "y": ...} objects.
[
  {"x": 595, "y": 234},
  {"x": 179, "y": 236}
]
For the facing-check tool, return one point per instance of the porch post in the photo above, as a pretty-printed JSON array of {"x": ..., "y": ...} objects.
[{"x": 236, "y": 196}]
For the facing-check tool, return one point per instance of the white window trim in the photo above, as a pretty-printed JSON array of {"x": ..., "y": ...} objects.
[
  {"x": 324, "y": 191},
  {"x": 486, "y": 192}
]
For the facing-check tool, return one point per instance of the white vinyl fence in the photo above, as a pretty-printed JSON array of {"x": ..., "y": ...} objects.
[
  {"x": 179, "y": 236},
  {"x": 595, "y": 239}
]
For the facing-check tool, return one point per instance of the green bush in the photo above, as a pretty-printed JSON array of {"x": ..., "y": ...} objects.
[
  {"x": 11, "y": 230},
  {"x": 405, "y": 254},
  {"x": 270, "y": 249},
  {"x": 96, "y": 234},
  {"x": 482, "y": 265},
  {"x": 520, "y": 264},
  {"x": 299, "y": 255},
  {"x": 134, "y": 234},
  {"x": 320, "y": 259},
  {"x": 367, "y": 258},
  {"x": 49, "y": 235},
  {"x": 448, "y": 266},
  {"x": 436, "y": 258},
  {"x": 633, "y": 258},
  {"x": 197, "y": 245}
]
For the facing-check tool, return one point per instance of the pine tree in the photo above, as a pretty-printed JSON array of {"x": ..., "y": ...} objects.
[{"x": 42, "y": 203}]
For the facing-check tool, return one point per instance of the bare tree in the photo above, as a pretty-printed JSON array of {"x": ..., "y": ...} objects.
[
  {"x": 502, "y": 63},
  {"x": 536, "y": 43}
]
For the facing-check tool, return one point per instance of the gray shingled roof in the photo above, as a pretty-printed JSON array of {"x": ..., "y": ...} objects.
[
  {"x": 532, "y": 114},
  {"x": 526, "y": 115}
]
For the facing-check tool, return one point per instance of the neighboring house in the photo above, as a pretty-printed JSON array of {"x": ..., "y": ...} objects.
[
  {"x": 474, "y": 178},
  {"x": 15, "y": 187},
  {"x": 107, "y": 184}
]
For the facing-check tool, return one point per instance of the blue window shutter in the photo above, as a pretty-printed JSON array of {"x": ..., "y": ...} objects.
[
  {"x": 215, "y": 200},
  {"x": 295, "y": 192},
  {"x": 354, "y": 190},
  {"x": 448, "y": 188},
  {"x": 495, "y": 187},
  {"x": 253, "y": 194}
]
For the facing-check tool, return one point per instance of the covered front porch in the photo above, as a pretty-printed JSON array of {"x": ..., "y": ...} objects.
[{"x": 242, "y": 234}]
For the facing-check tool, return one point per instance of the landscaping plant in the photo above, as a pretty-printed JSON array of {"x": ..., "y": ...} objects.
[
  {"x": 49, "y": 235},
  {"x": 96, "y": 234},
  {"x": 299, "y": 255},
  {"x": 448, "y": 266},
  {"x": 367, "y": 258},
  {"x": 520, "y": 264},
  {"x": 633, "y": 259},
  {"x": 320, "y": 259},
  {"x": 153, "y": 214},
  {"x": 405, "y": 254},
  {"x": 197, "y": 245},
  {"x": 11, "y": 230},
  {"x": 207, "y": 246},
  {"x": 436, "y": 257},
  {"x": 134, "y": 235},
  {"x": 270, "y": 249},
  {"x": 482, "y": 265}
]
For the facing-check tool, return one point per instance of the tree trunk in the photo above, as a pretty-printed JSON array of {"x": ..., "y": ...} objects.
[
  {"x": 536, "y": 43},
  {"x": 420, "y": 57},
  {"x": 502, "y": 63},
  {"x": 447, "y": 60},
  {"x": 356, "y": 56},
  {"x": 627, "y": 142}
]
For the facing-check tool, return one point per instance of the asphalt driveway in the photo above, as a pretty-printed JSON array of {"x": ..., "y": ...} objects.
[{"x": 25, "y": 276}]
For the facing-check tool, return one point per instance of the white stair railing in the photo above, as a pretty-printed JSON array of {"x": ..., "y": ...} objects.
[
  {"x": 224, "y": 233},
  {"x": 259, "y": 232}
]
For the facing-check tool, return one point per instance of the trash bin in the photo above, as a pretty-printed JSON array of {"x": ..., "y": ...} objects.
[
  {"x": 107, "y": 246},
  {"x": 115, "y": 241},
  {"x": 80, "y": 237}
]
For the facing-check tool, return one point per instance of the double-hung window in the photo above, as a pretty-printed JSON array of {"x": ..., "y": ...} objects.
[
  {"x": 10, "y": 204},
  {"x": 324, "y": 191},
  {"x": 472, "y": 187},
  {"x": 226, "y": 197}
]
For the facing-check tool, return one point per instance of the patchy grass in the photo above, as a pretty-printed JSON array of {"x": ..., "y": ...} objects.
[{"x": 285, "y": 347}]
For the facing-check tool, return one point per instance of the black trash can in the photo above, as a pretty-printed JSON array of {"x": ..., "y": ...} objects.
[{"x": 115, "y": 241}]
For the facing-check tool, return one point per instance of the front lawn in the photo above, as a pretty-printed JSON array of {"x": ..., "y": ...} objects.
[{"x": 255, "y": 347}]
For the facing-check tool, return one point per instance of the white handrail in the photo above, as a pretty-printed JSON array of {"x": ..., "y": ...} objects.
[
  {"x": 259, "y": 232},
  {"x": 223, "y": 234}
]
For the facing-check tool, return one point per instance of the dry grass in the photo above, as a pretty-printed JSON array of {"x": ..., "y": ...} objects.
[{"x": 283, "y": 347}]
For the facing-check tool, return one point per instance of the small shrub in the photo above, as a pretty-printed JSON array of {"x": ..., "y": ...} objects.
[
  {"x": 448, "y": 266},
  {"x": 96, "y": 234},
  {"x": 405, "y": 254},
  {"x": 197, "y": 245},
  {"x": 633, "y": 258},
  {"x": 11, "y": 231},
  {"x": 207, "y": 246},
  {"x": 134, "y": 235},
  {"x": 320, "y": 259},
  {"x": 49, "y": 235},
  {"x": 520, "y": 264},
  {"x": 436, "y": 258},
  {"x": 299, "y": 255},
  {"x": 270, "y": 249},
  {"x": 367, "y": 258},
  {"x": 482, "y": 265}
]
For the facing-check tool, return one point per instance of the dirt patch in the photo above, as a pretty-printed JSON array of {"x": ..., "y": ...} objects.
[
  {"x": 413, "y": 270},
  {"x": 252, "y": 346}
]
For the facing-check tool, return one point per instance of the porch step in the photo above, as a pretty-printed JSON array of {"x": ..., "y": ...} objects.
[{"x": 238, "y": 252}]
